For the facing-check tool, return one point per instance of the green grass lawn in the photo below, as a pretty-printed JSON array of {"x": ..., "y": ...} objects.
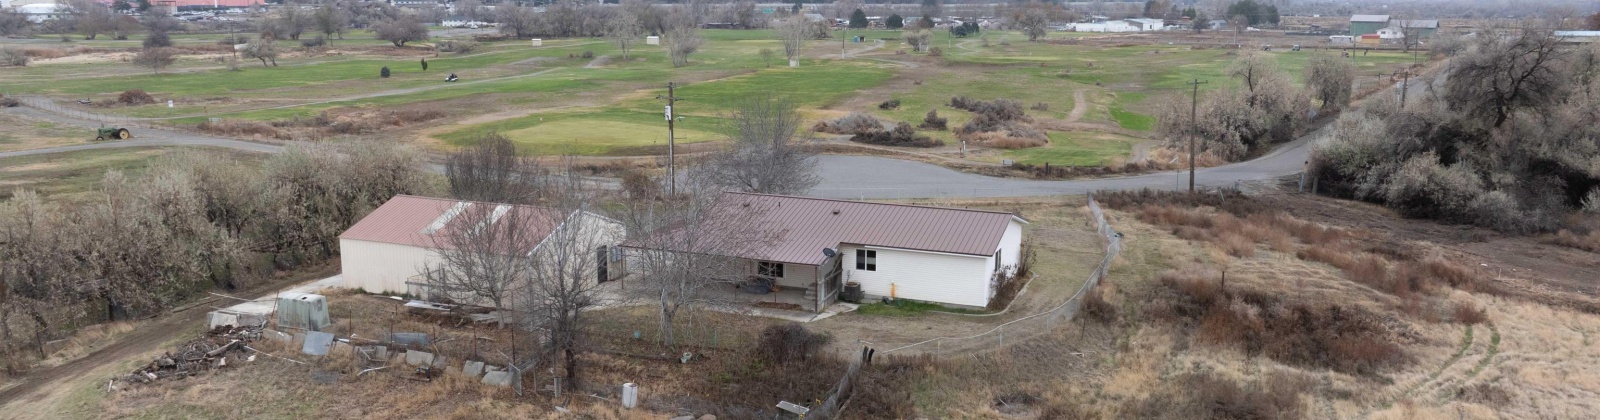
[
  {"x": 1076, "y": 149},
  {"x": 907, "y": 307}
]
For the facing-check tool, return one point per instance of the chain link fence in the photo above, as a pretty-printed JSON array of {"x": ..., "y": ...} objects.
[{"x": 1027, "y": 326}]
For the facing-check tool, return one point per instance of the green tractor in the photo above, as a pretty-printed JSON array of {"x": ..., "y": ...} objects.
[{"x": 113, "y": 133}]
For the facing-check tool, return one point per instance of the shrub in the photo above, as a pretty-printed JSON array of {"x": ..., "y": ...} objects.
[
  {"x": 135, "y": 97},
  {"x": 889, "y": 104},
  {"x": 1469, "y": 314},
  {"x": 902, "y": 135},
  {"x": 1003, "y": 141},
  {"x": 6, "y": 102},
  {"x": 13, "y": 57},
  {"x": 790, "y": 342},
  {"x": 1041, "y": 106},
  {"x": 935, "y": 52},
  {"x": 934, "y": 122},
  {"x": 384, "y": 72},
  {"x": 314, "y": 42},
  {"x": 459, "y": 47},
  {"x": 157, "y": 39},
  {"x": 854, "y": 123},
  {"x": 1096, "y": 308},
  {"x": 234, "y": 40},
  {"x": 242, "y": 128}
]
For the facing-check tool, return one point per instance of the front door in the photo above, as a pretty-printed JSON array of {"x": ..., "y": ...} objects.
[{"x": 601, "y": 256}]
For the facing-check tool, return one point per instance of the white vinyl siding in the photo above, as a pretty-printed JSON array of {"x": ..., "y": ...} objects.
[
  {"x": 378, "y": 267},
  {"x": 798, "y": 276},
  {"x": 1010, "y": 246},
  {"x": 924, "y": 276}
]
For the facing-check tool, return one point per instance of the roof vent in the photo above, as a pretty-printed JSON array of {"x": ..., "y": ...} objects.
[{"x": 835, "y": 212}]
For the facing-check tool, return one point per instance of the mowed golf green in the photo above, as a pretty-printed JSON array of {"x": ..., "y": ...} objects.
[{"x": 585, "y": 98}]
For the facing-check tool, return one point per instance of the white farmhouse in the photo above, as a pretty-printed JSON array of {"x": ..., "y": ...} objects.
[
  {"x": 387, "y": 250},
  {"x": 932, "y": 254}
]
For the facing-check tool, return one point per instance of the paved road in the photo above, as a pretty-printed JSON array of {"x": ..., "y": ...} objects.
[{"x": 868, "y": 177}]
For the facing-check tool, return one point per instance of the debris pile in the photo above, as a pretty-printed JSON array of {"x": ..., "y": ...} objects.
[{"x": 210, "y": 351}]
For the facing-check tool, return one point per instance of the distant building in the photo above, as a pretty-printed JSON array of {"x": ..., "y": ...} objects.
[
  {"x": 1367, "y": 24},
  {"x": 1147, "y": 24},
  {"x": 1424, "y": 28},
  {"x": 462, "y": 22},
  {"x": 1578, "y": 36},
  {"x": 37, "y": 13},
  {"x": 1106, "y": 26}
]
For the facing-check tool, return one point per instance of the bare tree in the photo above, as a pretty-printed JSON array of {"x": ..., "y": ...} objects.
[
  {"x": 793, "y": 32},
  {"x": 918, "y": 39},
  {"x": 1034, "y": 21},
  {"x": 764, "y": 157},
  {"x": 624, "y": 30},
  {"x": 400, "y": 31},
  {"x": 1503, "y": 75},
  {"x": 491, "y": 171},
  {"x": 565, "y": 276},
  {"x": 517, "y": 21},
  {"x": 483, "y": 252},
  {"x": 331, "y": 19},
  {"x": 1330, "y": 79},
  {"x": 156, "y": 58},
  {"x": 682, "y": 41},
  {"x": 264, "y": 49},
  {"x": 89, "y": 17},
  {"x": 682, "y": 248}
]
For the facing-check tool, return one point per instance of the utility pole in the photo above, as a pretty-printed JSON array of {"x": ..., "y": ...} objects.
[
  {"x": 1194, "y": 105},
  {"x": 672, "y": 168}
]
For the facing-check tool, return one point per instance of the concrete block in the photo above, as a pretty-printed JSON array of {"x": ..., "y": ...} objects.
[
  {"x": 216, "y": 319},
  {"x": 472, "y": 369},
  {"x": 498, "y": 378},
  {"x": 317, "y": 343},
  {"x": 418, "y": 358}
]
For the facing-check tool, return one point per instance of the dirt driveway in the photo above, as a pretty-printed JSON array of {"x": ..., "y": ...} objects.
[{"x": 40, "y": 393}]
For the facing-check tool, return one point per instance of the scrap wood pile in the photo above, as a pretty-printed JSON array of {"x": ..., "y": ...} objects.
[{"x": 210, "y": 351}]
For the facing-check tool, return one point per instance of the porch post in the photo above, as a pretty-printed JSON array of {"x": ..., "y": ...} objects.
[{"x": 822, "y": 294}]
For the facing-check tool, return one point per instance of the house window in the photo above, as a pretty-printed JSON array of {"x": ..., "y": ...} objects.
[
  {"x": 866, "y": 260},
  {"x": 769, "y": 269},
  {"x": 997, "y": 259}
]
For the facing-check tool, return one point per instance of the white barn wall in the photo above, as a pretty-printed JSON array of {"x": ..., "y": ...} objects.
[
  {"x": 925, "y": 276},
  {"x": 379, "y": 267},
  {"x": 1011, "y": 246}
]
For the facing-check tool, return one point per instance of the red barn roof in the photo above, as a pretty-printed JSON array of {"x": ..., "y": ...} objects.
[{"x": 430, "y": 222}]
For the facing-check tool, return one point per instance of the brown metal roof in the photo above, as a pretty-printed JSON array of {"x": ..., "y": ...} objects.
[
  {"x": 428, "y": 222},
  {"x": 807, "y": 225}
]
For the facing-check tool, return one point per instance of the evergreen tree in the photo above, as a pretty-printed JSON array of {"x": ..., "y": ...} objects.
[{"x": 858, "y": 19}]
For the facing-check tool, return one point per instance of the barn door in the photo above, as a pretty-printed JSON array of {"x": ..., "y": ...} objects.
[{"x": 602, "y": 255}]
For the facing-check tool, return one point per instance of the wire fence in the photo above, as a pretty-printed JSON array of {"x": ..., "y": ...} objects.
[
  {"x": 49, "y": 106},
  {"x": 1027, "y": 326}
]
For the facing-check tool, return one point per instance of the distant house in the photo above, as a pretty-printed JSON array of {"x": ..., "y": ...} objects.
[
  {"x": 1389, "y": 33},
  {"x": 1423, "y": 28},
  {"x": 1105, "y": 26},
  {"x": 1578, "y": 36},
  {"x": 416, "y": 3},
  {"x": 931, "y": 254},
  {"x": 1367, "y": 24},
  {"x": 461, "y": 22},
  {"x": 389, "y": 249},
  {"x": 1341, "y": 40},
  {"x": 42, "y": 12},
  {"x": 1147, "y": 24}
]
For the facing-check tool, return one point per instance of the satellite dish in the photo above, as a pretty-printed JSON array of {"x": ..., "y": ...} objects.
[{"x": 829, "y": 252}]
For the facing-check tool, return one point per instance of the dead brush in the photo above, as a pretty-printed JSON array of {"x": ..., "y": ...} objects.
[
  {"x": 243, "y": 128},
  {"x": 1567, "y": 238}
]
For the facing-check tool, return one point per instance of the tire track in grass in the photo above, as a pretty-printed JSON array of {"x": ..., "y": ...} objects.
[{"x": 1466, "y": 343}]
